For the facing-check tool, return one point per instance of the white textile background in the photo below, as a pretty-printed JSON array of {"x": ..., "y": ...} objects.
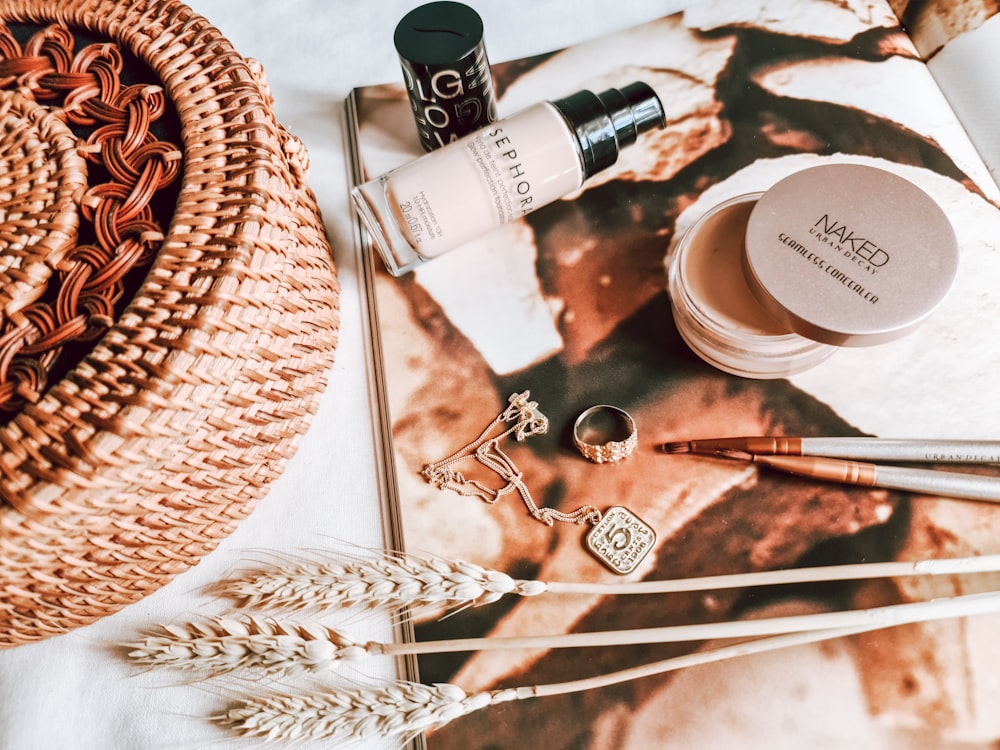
[{"x": 75, "y": 692}]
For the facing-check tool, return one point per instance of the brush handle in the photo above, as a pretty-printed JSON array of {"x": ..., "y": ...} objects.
[
  {"x": 855, "y": 448},
  {"x": 941, "y": 483},
  {"x": 891, "y": 449},
  {"x": 924, "y": 481}
]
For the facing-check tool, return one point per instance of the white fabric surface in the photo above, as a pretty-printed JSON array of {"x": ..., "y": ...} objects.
[{"x": 76, "y": 692}]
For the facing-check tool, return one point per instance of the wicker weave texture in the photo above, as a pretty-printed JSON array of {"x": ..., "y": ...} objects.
[
  {"x": 41, "y": 179},
  {"x": 149, "y": 451}
]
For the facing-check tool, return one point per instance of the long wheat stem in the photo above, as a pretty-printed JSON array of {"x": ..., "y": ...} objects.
[
  {"x": 817, "y": 574},
  {"x": 404, "y": 709},
  {"x": 887, "y": 616},
  {"x": 399, "y": 580},
  {"x": 225, "y": 645}
]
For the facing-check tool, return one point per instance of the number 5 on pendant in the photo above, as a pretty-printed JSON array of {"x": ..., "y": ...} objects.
[{"x": 621, "y": 540}]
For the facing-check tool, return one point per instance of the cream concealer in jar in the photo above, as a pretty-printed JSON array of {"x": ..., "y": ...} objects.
[{"x": 767, "y": 285}]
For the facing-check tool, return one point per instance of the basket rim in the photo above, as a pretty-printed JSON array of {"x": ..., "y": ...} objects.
[
  {"x": 102, "y": 504},
  {"x": 255, "y": 127}
]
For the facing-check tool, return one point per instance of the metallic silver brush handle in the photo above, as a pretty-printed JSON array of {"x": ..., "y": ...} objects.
[
  {"x": 920, "y": 451},
  {"x": 940, "y": 483}
]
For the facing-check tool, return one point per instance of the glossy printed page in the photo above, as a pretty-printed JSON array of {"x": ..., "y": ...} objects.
[
  {"x": 571, "y": 305},
  {"x": 935, "y": 24},
  {"x": 961, "y": 43}
]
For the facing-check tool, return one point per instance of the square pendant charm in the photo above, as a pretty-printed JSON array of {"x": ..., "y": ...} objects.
[{"x": 621, "y": 540}]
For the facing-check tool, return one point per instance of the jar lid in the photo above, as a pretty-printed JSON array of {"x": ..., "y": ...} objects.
[{"x": 849, "y": 254}]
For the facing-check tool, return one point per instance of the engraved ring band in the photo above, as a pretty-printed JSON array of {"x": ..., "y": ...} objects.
[{"x": 604, "y": 434}]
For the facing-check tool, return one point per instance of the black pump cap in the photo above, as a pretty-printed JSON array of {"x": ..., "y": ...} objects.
[{"x": 606, "y": 122}]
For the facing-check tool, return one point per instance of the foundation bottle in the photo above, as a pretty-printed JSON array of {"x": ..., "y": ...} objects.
[{"x": 496, "y": 175}]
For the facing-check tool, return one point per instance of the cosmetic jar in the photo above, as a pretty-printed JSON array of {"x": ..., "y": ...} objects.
[
  {"x": 766, "y": 285},
  {"x": 447, "y": 74}
]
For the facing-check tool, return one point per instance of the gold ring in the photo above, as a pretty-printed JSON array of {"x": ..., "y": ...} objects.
[{"x": 604, "y": 434}]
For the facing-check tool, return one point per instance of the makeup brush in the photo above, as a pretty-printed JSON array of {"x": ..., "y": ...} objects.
[
  {"x": 924, "y": 481},
  {"x": 861, "y": 448}
]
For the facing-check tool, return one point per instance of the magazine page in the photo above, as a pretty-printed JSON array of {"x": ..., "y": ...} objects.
[
  {"x": 569, "y": 308},
  {"x": 962, "y": 70},
  {"x": 960, "y": 41},
  {"x": 933, "y": 25}
]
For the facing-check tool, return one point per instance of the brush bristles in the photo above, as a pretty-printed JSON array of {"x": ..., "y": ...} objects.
[{"x": 681, "y": 446}]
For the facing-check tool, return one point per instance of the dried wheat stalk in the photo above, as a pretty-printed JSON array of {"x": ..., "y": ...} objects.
[
  {"x": 397, "y": 580},
  {"x": 400, "y": 709},
  {"x": 404, "y": 709},
  {"x": 391, "y": 581},
  {"x": 224, "y": 645}
]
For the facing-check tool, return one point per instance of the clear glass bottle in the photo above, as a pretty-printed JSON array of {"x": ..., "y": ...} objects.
[{"x": 494, "y": 176}]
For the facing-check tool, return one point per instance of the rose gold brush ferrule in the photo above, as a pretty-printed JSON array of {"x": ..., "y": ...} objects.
[
  {"x": 831, "y": 469},
  {"x": 779, "y": 446}
]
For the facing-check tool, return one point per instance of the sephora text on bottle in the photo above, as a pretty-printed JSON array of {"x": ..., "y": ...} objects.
[{"x": 495, "y": 176}]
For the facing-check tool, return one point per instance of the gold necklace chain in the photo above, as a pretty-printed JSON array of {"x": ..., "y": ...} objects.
[{"x": 526, "y": 421}]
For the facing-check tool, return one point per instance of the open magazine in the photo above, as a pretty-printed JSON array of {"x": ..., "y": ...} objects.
[{"x": 570, "y": 304}]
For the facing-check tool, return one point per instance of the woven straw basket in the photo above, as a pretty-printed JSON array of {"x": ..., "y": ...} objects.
[{"x": 143, "y": 419}]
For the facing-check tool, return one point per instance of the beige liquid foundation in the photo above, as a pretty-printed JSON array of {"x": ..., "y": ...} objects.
[{"x": 499, "y": 174}]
